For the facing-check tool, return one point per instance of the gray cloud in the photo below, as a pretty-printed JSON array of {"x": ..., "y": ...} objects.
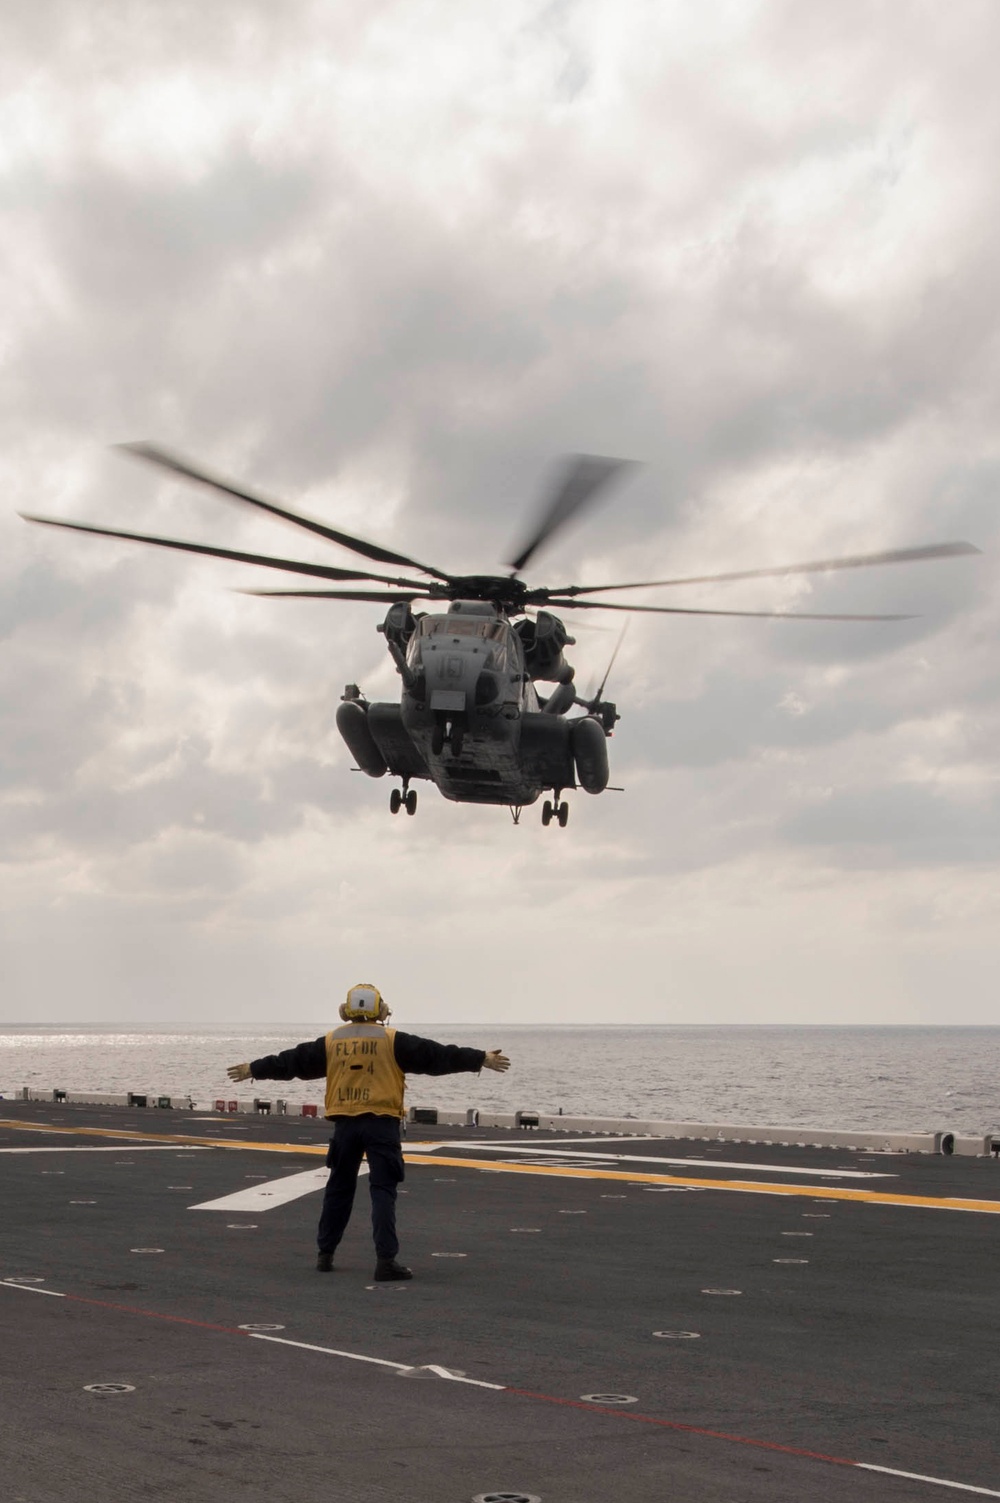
[
  {"x": 917, "y": 824},
  {"x": 387, "y": 267}
]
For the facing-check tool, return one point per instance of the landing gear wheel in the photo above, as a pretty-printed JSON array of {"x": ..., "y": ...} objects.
[
  {"x": 395, "y": 801},
  {"x": 456, "y": 739},
  {"x": 437, "y": 740},
  {"x": 546, "y": 813},
  {"x": 562, "y": 814},
  {"x": 411, "y": 801}
]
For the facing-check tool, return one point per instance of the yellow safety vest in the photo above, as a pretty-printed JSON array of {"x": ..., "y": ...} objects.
[{"x": 361, "y": 1072}]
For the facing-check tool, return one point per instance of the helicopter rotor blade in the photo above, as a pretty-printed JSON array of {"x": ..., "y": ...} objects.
[
  {"x": 336, "y": 595},
  {"x": 291, "y": 566},
  {"x": 582, "y": 477},
  {"x": 177, "y": 465},
  {"x": 819, "y": 566},
  {"x": 683, "y": 610}
]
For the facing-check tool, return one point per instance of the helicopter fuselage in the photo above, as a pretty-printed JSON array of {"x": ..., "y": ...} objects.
[{"x": 470, "y": 718}]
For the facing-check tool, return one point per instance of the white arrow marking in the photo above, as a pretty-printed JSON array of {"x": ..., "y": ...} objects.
[
  {"x": 401, "y": 1367},
  {"x": 273, "y": 1192}
]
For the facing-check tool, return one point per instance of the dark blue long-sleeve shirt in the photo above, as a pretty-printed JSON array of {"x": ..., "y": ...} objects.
[{"x": 413, "y": 1055}]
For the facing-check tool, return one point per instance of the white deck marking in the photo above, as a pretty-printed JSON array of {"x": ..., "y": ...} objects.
[
  {"x": 400, "y": 1367},
  {"x": 31, "y": 1288},
  {"x": 330, "y": 1351},
  {"x": 273, "y": 1192},
  {"x": 638, "y": 1158},
  {"x": 962, "y": 1487}
]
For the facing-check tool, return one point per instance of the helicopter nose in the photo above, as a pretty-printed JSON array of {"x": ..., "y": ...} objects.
[{"x": 452, "y": 675}]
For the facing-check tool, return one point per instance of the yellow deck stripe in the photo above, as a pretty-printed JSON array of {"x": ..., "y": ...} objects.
[
  {"x": 166, "y": 1137},
  {"x": 748, "y": 1186},
  {"x": 743, "y": 1186}
]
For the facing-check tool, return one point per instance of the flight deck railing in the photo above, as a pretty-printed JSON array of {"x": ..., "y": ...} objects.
[
  {"x": 868, "y": 1140},
  {"x": 871, "y": 1140}
]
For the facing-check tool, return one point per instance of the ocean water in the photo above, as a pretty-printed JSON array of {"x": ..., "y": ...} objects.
[{"x": 904, "y": 1079}]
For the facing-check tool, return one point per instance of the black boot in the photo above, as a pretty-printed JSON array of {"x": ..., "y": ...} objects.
[
  {"x": 388, "y": 1268},
  {"x": 324, "y": 1262}
]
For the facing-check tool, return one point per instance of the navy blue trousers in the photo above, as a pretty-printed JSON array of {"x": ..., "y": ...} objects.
[{"x": 355, "y": 1138}]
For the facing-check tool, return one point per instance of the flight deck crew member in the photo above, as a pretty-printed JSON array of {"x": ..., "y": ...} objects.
[{"x": 365, "y": 1065}]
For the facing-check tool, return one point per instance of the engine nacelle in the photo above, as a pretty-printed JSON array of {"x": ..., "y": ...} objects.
[
  {"x": 543, "y": 641},
  {"x": 590, "y": 753},
  {"x": 399, "y": 625},
  {"x": 352, "y": 723}
]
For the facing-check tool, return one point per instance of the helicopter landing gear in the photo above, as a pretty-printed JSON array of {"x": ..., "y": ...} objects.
[
  {"x": 403, "y": 798},
  {"x": 450, "y": 732},
  {"x": 558, "y": 810}
]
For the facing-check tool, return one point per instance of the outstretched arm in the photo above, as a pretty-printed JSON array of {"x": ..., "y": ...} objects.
[
  {"x": 304, "y": 1062},
  {"x": 417, "y": 1056}
]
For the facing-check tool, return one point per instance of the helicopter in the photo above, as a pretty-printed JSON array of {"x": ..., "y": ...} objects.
[{"x": 470, "y": 718}]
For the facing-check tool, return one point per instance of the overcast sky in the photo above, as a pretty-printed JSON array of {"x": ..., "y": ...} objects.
[{"x": 387, "y": 263}]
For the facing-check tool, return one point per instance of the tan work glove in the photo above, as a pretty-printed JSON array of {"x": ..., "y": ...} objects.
[
  {"x": 495, "y": 1060},
  {"x": 238, "y": 1072}
]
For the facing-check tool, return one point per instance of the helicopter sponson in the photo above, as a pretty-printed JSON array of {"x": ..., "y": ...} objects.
[{"x": 469, "y": 717}]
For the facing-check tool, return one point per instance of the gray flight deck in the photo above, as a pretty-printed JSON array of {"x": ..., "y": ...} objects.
[{"x": 749, "y": 1323}]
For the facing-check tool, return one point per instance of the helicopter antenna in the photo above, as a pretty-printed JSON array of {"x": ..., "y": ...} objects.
[{"x": 607, "y": 672}]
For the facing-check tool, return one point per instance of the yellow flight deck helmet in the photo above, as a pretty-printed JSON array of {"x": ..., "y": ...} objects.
[{"x": 364, "y": 1003}]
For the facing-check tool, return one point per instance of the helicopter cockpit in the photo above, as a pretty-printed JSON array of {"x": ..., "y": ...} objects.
[{"x": 465, "y": 631}]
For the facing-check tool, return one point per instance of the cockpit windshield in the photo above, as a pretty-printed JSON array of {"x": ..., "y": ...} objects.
[
  {"x": 463, "y": 626},
  {"x": 435, "y": 631}
]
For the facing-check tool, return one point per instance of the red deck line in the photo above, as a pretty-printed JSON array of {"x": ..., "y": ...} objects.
[
  {"x": 649, "y": 1419},
  {"x": 548, "y": 1398},
  {"x": 181, "y": 1320}
]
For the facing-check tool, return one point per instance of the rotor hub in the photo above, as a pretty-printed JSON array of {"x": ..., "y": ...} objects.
[{"x": 504, "y": 591}]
